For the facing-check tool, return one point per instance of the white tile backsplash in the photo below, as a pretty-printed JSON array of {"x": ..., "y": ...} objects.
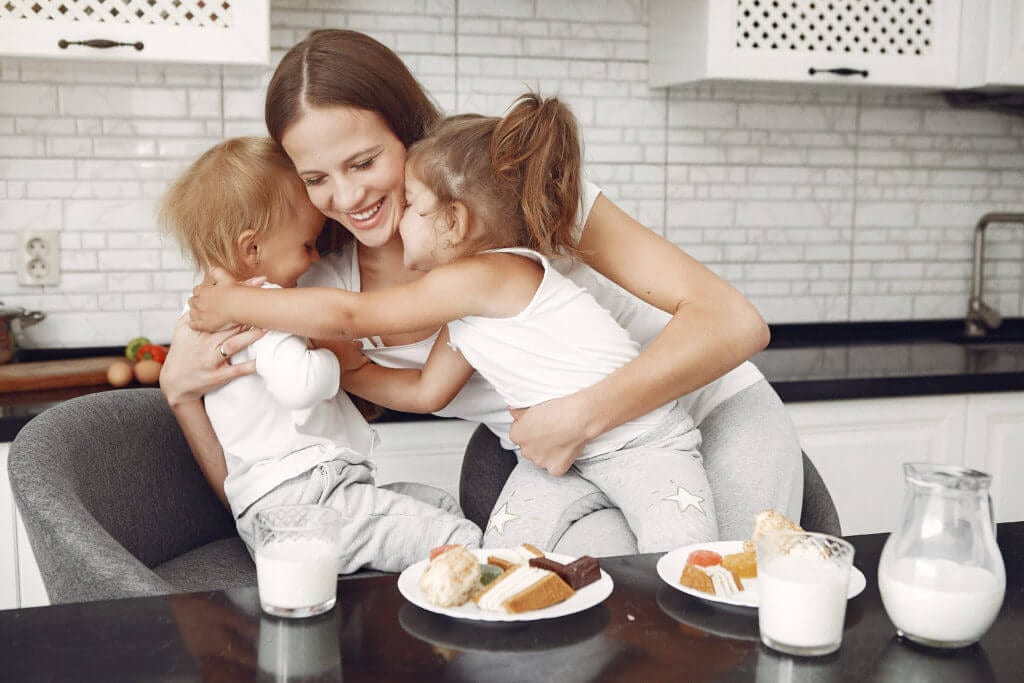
[{"x": 821, "y": 204}]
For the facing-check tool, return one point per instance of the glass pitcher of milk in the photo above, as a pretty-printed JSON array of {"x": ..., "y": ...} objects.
[{"x": 941, "y": 574}]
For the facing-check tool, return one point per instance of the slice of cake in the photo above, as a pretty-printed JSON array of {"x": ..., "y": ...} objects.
[
  {"x": 511, "y": 557},
  {"x": 716, "y": 579},
  {"x": 578, "y": 573},
  {"x": 744, "y": 564},
  {"x": 768, "y": 522},
  {"x": 524, "y": 588}
]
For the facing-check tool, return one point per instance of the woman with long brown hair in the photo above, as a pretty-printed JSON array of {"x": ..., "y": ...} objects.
[{"x": 345, "y": 109}]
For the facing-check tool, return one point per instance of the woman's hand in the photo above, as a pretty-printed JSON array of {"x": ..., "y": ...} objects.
[
  {"x": 208, "y": 305},
  {"x": 551, "y": 435},
  {"x": 197, "y": 362}
]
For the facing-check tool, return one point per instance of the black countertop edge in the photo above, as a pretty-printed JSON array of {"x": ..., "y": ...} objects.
[
  {"x": 784, "y": 336},
  {"x": 812, "y": 336},
  {"x": 894, "y": 387},
  {"x": 794, "y": 335}
]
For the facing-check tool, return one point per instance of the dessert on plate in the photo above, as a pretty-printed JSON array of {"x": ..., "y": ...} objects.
[
  {"x": 512, "y": 580},
  {"x": 523, "y": 588},
  {"x": 452, "y": 577},
  {"x": 704, "y": 572},
  {"x": 709, "y": 572}
]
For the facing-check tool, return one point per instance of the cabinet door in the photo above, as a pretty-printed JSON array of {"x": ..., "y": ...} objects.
[
  {"x": 1006, "y": 44},
  {"x": 31, "y": 589},
  {"x": 429, "y": 452},
  {"x": 860, "y": 446},
  {"x": 995, "y": 432},
  {"x": 894, "y": 42},
  {"x": 187, "y": 31},
  {"x": 8, "y": 552}
]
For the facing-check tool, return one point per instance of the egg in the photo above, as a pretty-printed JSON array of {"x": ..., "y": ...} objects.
[
  {"x": 119, "y": 374},
  {"x": 148, "y": 371}
]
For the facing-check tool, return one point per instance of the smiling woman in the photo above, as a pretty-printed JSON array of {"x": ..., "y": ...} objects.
[{"x": 345, "y": 108}]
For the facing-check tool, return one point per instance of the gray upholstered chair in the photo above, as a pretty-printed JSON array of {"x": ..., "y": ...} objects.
[
  {"x": 819, "y": 510},
  {"x": 115, "y": 506}
]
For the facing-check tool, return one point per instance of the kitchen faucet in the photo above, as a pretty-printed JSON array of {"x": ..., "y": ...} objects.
[{"x": 980, "y": 316}]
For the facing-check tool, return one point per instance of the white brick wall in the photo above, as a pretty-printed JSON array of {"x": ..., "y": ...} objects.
[{"x": 820, "y": 204}]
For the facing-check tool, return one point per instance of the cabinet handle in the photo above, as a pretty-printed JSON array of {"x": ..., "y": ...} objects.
[
  {"x": 101, "y": 43},
  {"x": 839, "y": 72}
]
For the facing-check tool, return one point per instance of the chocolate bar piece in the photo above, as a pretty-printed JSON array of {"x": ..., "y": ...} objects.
[{"x": 579, "y": 573}]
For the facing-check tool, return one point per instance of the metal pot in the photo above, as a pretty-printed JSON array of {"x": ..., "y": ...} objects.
[{"x": 12, "y": 320}]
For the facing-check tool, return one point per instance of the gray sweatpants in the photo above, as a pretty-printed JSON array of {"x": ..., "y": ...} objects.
[
  {"x": 386, "y": 528},
  {"x": 657, "y": 480},
  {"x": 753, "y": 462}
]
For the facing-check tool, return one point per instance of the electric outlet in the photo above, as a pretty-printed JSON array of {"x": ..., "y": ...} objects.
[{"x": 37, "y": 257}]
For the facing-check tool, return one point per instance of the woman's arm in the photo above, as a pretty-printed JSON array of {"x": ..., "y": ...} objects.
[
  {"x": 193, "y": 367},
  {"x": 413, "y": 390},
  {"x": 712, "y": 330}
]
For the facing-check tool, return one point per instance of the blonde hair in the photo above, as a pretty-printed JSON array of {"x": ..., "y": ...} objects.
[
  {"x": 519, "y": 176},
  {"x": 241, "y": 184}
]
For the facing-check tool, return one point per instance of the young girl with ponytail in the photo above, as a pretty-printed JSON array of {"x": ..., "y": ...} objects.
[{"x": 488, "y": 202}]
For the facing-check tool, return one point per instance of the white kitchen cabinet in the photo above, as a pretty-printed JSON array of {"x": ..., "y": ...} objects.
[
  {"x": 995, "y": 444},
  {"x": 911, "y": 43},
  {"x": 184, "y": 31},
  {"x": 8, "y": 534},
  {"x": 21, "y": 584},
  {"x": 859, "y": 448},
  {"x": 428, "y": 452},
  {"x": 993, "y": 53}
]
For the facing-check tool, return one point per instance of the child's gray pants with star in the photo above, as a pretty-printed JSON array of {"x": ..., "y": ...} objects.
[{"x": 657, "y": 480}]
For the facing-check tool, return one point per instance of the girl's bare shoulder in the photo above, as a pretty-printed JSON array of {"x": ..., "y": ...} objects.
[{"x": 504, "y": 283}]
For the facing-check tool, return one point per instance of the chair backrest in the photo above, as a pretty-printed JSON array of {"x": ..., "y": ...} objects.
[
  {"x": 108, "y": 488},
  {"x": 819, "y": 510}
]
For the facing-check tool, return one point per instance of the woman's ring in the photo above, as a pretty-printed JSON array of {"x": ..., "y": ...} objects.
[{"x": 222, "y": 352}]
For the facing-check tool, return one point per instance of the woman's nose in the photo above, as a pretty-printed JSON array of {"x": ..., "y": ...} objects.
[{"x": 349, "y": 196}]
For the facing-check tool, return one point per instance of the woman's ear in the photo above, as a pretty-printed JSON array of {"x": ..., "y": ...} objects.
[{"x": 247, "y": 250}]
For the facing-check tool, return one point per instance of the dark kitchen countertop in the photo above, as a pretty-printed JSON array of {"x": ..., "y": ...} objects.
[{"x": 804, "y": 362}]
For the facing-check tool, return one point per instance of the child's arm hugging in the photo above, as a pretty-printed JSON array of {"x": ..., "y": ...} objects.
[{"x": 413, "y": 390}]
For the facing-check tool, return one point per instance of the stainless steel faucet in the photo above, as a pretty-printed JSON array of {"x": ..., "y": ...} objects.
[{"x": 980, "y": 316}]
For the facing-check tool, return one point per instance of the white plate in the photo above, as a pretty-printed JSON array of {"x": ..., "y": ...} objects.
[
  {"x": 670, "y": 568},
  {"x": 585, "y": 598}
]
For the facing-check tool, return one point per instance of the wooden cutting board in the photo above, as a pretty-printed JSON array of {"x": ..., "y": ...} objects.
[{"x": 53, "y": 374}]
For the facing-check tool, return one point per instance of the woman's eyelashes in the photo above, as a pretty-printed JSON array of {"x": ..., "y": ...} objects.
[
  {"x": 365, "y": 163},
  {"x": 311, "y": 182}
]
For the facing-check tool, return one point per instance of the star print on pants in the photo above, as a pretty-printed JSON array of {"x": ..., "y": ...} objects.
[
  {"x": 685, "y": 499},
  {"x": 499, "y": 519}
]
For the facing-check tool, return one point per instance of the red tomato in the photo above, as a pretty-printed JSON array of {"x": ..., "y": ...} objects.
[
  {"x": 151, "y": 352},
  {"x": 443, "y": 548},
  {"x": 704, "y": 558}
]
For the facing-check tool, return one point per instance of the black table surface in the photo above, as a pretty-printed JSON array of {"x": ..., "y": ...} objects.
[{"x": 645, "y": 631}]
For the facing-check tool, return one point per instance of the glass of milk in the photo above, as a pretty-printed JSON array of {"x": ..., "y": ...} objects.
[
  {"x": 941, "y": 575},
  {"x": 802, "y": 580},
  {"x": 297, "y": 552}
]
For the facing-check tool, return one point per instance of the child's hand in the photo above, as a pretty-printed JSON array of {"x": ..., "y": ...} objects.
[
  {"x": 349, "y": 352},
  {"x": 350, "y": 355},
  {"x": 207, "y": 307}
]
